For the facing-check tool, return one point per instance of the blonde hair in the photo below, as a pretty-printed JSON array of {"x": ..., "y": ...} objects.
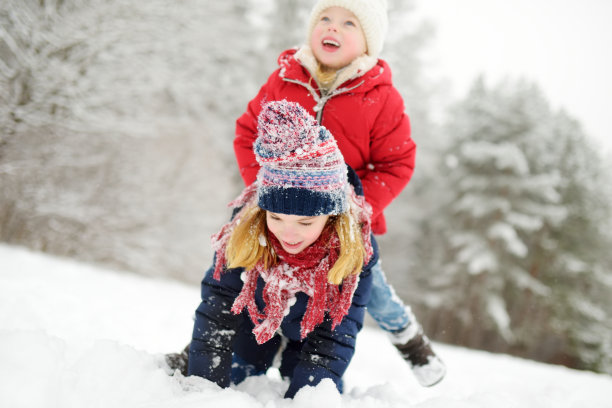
[
  {"x": 325, "y": 77},
  {"x": 245, "y": 249}
]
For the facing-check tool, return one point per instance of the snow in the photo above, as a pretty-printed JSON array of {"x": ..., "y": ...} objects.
[{"x": 74, "y": 335}]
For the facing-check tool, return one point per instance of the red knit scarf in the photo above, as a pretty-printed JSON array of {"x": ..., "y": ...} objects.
[{"x": 303, "y": 272}]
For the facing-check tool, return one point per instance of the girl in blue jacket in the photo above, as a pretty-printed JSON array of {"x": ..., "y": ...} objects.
[{"x": 294, "y": 263}]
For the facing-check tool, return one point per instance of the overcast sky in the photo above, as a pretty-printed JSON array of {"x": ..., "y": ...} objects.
[{"x": 564, "y": 45}]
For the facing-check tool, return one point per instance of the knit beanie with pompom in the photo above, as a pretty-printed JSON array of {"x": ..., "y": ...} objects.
[
  {"x": 302, "y": 170},
  {"x": 372, "y": 15}
]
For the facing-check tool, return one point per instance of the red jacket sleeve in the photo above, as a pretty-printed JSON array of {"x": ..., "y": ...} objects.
[{"x": 392, "y": 157}]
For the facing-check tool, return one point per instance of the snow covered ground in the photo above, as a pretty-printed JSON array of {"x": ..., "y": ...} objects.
[{"x": 72, "y": 335}]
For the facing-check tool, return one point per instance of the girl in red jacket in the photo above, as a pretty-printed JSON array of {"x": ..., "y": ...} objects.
[{"x": 339, "y": 79}]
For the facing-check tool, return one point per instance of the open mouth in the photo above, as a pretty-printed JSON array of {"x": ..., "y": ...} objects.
[
  {"x": 292, "y": 245},
  {"x": 330, "y": 43}
]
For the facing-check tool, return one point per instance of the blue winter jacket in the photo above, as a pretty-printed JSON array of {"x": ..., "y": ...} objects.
[{"x": 221, "y": 339}]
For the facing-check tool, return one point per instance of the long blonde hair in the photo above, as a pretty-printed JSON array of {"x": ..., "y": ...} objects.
[{"x": 245, "y": 247}]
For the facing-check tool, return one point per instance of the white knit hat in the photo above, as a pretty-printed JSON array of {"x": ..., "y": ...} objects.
[{"x": 372, "y": 15}]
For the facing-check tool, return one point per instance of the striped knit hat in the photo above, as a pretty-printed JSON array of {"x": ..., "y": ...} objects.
[{"x": 302, "y": 170}]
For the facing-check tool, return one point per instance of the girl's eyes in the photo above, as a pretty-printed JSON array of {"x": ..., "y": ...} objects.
[
  {"x": 303, "y": 223},
  {"x": 349, "y": 23}
]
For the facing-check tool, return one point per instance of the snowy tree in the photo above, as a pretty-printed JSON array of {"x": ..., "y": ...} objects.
[
  {"x": 579, "y": 271},
  {"x": 516, "y": 253},
  {"x": 117, "y": 120},
  {"x": 499, "y": 203}
]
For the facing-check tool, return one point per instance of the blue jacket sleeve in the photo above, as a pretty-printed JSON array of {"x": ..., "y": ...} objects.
[
  {"x": 215, "y": 327},
  {"x": 326, "y": 352}
]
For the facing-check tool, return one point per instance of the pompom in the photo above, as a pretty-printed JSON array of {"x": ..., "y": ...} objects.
[{"x": 284, "y": 128}]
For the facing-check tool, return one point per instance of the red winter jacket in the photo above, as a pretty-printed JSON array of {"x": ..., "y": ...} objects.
[{"x": 365, "y": 115}]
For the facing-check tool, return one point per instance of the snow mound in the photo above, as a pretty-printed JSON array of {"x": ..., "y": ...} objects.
[{"x": 73, "y": 335}]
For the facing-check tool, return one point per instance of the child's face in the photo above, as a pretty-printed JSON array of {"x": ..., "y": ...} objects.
[
  {"x": 337, "y": 38},
  {"x": 295, "y": 232}
]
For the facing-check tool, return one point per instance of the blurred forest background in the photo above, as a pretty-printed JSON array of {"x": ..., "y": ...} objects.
[{"x": 116, "y": 128}]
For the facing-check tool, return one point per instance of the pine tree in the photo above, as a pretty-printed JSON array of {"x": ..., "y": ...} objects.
[
  {"x": 523, "y": 231},
  {"x": 498, "y": 202},
  {"x": 578, "y": 271}
]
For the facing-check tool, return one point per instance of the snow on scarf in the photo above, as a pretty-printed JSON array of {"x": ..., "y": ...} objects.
[{"x": 303, "y": 272}]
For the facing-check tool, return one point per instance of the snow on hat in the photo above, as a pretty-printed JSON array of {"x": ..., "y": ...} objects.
[
  {"x": 302, "y": 170},
  {"x": 372, "y": 15}
]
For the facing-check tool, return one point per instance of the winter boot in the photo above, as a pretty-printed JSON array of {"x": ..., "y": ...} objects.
[
  {"x": 415, "y": 348},
  {"x": 178, "y": 361}
]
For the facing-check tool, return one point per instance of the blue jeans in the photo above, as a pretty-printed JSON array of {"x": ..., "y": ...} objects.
[{"x": 385, "y": 306}]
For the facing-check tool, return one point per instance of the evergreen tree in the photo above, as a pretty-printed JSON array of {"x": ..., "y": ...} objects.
[
  {"x": 518, "y": 251},
  {"x": 579, "y": 270},
  {"x": 499, "y": 201}
]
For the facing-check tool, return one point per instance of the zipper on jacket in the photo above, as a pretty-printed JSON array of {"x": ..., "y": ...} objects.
[{"x": 322, "y": 99}]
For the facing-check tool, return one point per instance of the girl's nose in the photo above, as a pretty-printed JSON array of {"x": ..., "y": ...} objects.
[{"x": 288, "y": 234}]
